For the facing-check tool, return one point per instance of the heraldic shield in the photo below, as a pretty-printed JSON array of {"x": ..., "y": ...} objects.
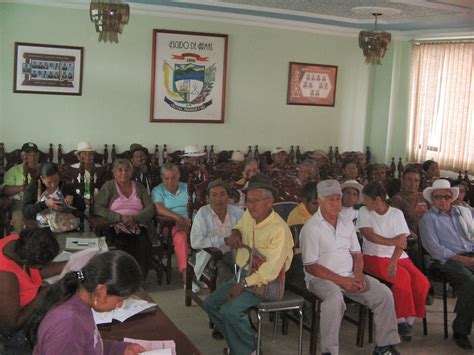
[{"x": 189, "y": 80}]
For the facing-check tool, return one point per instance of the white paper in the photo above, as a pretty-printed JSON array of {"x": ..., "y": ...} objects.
[
  {"x": 80, "y": 243},
  {"x": 78, "y": 260},
  {"x": 169, "y": 346},
  {"x": 130, "y": 308},
  {"x": 158, "y": 352},
  {"x": 63, "y": 256}
]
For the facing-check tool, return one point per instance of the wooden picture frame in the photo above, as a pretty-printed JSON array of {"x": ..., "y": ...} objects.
[
  {"x": 311, "y": 84},
  {"x": 47, "y": 69},
  {"x": 188, "y": 81}
]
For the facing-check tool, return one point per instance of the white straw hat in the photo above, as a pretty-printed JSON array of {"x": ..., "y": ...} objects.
[{"x": 440, "y": 184}]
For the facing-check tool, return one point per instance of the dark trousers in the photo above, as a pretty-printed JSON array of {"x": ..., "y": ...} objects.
[
  {"x": 138, "y": 246},
  {"x": 459, "y": 274}
]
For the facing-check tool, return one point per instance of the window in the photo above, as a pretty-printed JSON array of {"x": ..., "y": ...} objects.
[{"x": 442, "y": 105}]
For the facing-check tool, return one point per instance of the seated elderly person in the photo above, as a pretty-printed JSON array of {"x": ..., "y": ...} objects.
[
  {"x": 333, "y": 267},
  {"x": 263, "y": 229},
  {"x": 351, "y": 196},
  {"x": 385, "y": 231},
  {"x": 463, "y": 190},
  {"x": 307, "y": 207},
  {"x": 447, "y": 234},
  {"x": 127, "y": 205},
  {"x": 16, "y": 179},
  {"x": 307, "y": 171},
  {"x": 25, "y": 260},
  {"x": 192, "y": 163},
  {"x": 88, "y": 169},
  {"x": 48, "y": 194},
  {"x": 141, "y": 170},
  {"x": 211, "y": 225},
  {"x": 431, "y": 172},
  {"x": 171, "y": 200},
  {"x": 250, "y": 169}
]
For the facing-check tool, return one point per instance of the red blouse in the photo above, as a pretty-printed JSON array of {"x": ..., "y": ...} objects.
[{"x": 28, "y": 283}]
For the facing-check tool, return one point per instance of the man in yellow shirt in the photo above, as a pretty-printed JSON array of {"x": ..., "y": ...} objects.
[
  {"x": 262, "y": 229},
  {"x": 307, "y": 207}
]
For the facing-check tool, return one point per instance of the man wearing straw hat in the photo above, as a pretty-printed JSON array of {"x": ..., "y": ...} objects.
[
  {"x": 447, "y": 234},
  {"x": 262, "y": 229}
]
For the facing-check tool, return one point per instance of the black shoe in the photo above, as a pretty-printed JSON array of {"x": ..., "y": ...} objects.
[
  {"x": 404, "y": 331},
  {"x": 385, "y": 350},
  {"x": 216, "y": 334},
  {"x": 462, "y": 341}
]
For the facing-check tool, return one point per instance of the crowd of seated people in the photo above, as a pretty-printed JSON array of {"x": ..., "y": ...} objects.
[{"x": 374, "y": 270}]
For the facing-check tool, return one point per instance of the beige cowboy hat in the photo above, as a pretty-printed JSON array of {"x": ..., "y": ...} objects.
[
  {"x": 84, "y": 147},
  {"x": 237, "y": 155},
  {"x": 440, "y": 184},
  {"x": 278, "y": 150},
  {"x": 192, "y": 151}
]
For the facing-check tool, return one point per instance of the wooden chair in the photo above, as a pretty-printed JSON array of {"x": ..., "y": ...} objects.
[
  {"x": 284, "y": 208},
  {"x": 71, "y": 158},
  {"x": 5, "y": 228}
]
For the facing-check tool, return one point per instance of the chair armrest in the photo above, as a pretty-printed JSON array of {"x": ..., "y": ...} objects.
[{"x": 216, "y": 253}]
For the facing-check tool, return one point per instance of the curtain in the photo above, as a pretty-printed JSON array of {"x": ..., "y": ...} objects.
[{"x": 442, "y": 105}]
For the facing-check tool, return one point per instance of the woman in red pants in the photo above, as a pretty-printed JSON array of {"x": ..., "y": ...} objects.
[{"x": 385, "y": 231}]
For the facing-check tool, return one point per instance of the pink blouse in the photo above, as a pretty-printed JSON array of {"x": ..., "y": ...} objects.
[{"x": 124, "y": 205}]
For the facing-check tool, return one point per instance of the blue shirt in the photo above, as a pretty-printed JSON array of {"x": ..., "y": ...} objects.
[
  {"x": 177, "y": 203},
  {"x": 442, "y": 234}
]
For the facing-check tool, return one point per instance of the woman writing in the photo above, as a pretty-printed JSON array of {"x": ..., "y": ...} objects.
[
  {"x": 127, "y": 204},
  {"x": 24, "y": 262},
  {"x": 64, "y": 323}
]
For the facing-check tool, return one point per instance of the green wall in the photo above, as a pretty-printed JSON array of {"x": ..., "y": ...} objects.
[{"x": 115, "y": 104}]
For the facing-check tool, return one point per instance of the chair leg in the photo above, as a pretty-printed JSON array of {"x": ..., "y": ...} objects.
[
  {"x": 425, "y": 327},
  {"x": 313, "y": 339},
  {"x": 275, "y": 324},
  {"x": 284, "y": 324},
  {"x": 445, "y": 309},
  {"x": 361, "y": 326},
  {"x": 300, "y": 337},
  {"x": 189, "y": 285},
  {"x": 259, "y": 331},
  {"x": 371, "y": 326}
]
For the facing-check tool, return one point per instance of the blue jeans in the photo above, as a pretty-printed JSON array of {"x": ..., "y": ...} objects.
[{"x": 231, "y": 317}]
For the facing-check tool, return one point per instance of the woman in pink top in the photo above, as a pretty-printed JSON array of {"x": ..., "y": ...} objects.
[
  {"x": 23, "y": 260},
  {"x": 127, "y": 205}
]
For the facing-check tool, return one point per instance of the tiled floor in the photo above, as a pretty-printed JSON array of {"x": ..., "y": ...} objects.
[{"x": 194, "y": 323}]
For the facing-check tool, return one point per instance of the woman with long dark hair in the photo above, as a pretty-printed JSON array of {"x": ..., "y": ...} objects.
[
  {"x": 25, "y": 260},
  {"x": 63, "y": 322}
]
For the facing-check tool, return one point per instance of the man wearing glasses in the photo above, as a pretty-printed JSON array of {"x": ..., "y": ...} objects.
[
  {"x": 264, "y": 230},
  {"x": 447, "y": 233}
]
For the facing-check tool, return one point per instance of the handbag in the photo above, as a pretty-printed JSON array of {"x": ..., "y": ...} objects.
[
  {"x": 60, "y": 222},
  {"x": 273, "y": 290}
]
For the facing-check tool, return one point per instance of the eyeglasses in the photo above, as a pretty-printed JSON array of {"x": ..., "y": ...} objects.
[
  {"x": 442, "y": 197},
  {"x": 253, "y": 202}
]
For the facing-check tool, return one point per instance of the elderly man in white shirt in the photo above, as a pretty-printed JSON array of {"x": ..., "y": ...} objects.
[
  {"x": 333, "y": 267},
  {"x": 211, "y": 225}
]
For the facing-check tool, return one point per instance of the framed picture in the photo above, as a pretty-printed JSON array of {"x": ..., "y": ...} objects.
[
  {"x": 48, "y": 69},
  {"x": 188, "y": 77},
  {"x": 312, "y": 84}
]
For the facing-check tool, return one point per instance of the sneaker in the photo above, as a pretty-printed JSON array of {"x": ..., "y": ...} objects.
[
  {"x": 404, "y": 331},
  {"x": 462, "y": 341},
  {"x": 385, "y": 350},
  {"x": 202, "y": 284},
  {"x": 195, "y": 288}
]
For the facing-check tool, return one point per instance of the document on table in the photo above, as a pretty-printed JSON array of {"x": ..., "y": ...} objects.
[
  {"x": 73, "y": 243},
  {"x": 76, "y": 261},
  {"x": 130, "y": 308},
  {"x": 155, "y": 347}
]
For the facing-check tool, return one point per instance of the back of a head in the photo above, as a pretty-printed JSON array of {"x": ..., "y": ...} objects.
[
  {"x": 309, "y": 191},
  {"x": 36, "y": 246},
  {"x": 48, "y": 169},
  {"x": 375, "y": 189},
  {"x": 117, "y": 270}
]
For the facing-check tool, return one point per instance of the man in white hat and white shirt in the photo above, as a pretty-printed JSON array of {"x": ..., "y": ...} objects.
[
  {"x": 85, "y": 154},
  {"x": 447, "y": 234},
  {"x": 192, "y": 158},
  {"x": 333, "y": 267}
]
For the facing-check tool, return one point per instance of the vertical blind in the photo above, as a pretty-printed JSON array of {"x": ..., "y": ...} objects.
[{"x": 442, "y": 104}]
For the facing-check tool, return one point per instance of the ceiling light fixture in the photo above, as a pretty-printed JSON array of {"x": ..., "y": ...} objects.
[
  {"x": 374, "y": 43},
  {"x": 109, "y": 17}
]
